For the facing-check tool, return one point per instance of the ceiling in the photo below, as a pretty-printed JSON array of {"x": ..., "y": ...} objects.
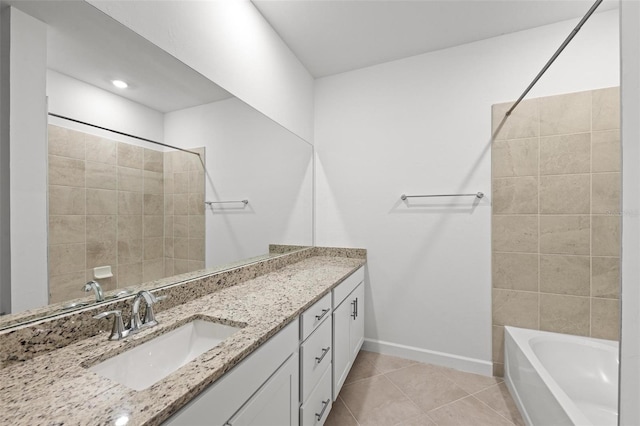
[
  {"x": 84, "y": 43},
  {"x": 334, "y": 36}
]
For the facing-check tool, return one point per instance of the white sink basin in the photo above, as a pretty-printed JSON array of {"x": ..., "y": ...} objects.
[{"x": 142, "y": 366}]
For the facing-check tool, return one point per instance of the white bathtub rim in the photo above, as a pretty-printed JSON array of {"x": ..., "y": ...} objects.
[
  {"x": 516, "y": 396},
  {"x": 522, "y": 336}
]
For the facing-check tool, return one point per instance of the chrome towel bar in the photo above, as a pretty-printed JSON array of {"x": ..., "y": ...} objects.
[
  {"x": 477, "y": 195},
  {"x": 245, "y": 202}
]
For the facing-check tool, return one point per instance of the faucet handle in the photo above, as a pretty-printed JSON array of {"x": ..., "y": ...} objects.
[
  {"x": 149, "y": 314},
  {"x": 117, "y": 330}
]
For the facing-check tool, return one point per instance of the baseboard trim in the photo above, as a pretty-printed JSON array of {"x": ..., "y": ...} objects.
[{"x": 470, "y": 365}]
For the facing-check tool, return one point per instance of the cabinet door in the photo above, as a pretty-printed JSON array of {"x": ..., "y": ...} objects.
[
  {"x": 275, "y": 403},
  {"x": 341, "y": 345},
  {"x": 356, "y": 330}
]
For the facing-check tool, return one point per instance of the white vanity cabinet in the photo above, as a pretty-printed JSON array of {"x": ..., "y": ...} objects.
[
  {"x": 262, "y": 390},
  {"x": 348, "y": 326}
]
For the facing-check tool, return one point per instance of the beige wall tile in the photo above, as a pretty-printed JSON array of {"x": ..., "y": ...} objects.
[
  {"x": 522, "y": 123},
  {"x": 65, "y": 287},
  {"x": 606, "y": 188},
  {"x": 153, "y": 226},
  {"x": 153, "y": 248},
  {"x": 606, "y": 108},
  {"x": 66, "y": 171},
  {"x": 516, "y": 308},
  {"x": 498, "y": 369},
  {"x": 515, "y": 271},
  {"x": 180, "y": 162},
  {"x": 168, "y": 226},
  {"x": 181, "y": 204},
  {"x": 66, "y": 142},
  {"x": 129, "y": 227},
  {"x": 130, "y": 179},
  {"x": 564, "y": 234},
  {"x": 153, "y": 182},
  {"x": 498, "y": 343},
  {"x": 130, "y": 155},
  {"x": 196, "y": 249},
  {"x": 129, "y": 203},
  {"x": 153, "y": 270},
  {"x": 153, "y": 160},
  {"x": 100, "y": 150},
  {"x": 196, "y": 226},
  {"x": 129, "y": 251},
  {"x": 605, "y": 319},
  {"x": 195, "y": 265},
  {"x": 100, "y": 253},
  {"x": 66, "y": 200},
  {"x": 605, "y": 148},
  {"x": 168, "y": 204},
  {"x": 565, "y": 275},
  {"x": 181, "y": 248},
  {"x": 515, "y": 233},
  {"x": 564, "y": 314},
  {"x": 517, "y": 157},
  {"x": 564, "y": 114},
  {"x": 565, "y": 194},
  {"x": 196, "y": 162},
  {"x": 130, "y": 274},
  {"x": 196, "y": 204},
  {"x": 66, "y": 258},
  {"x": 181, "y": 183},
  {"x": 181, "y": 226},
  {"x": 605, "y": 236},
  {"x": 102, "y": 202},
  {"x": 153, "y": 204},
  {"x": 181, "y": 266},
  {"x": 101, "y": 228},
  {"x": 196, "y": 182},
  {"x": 605, "y": 277},
  {"x": 567, "y": 154},
  {"x": 168, "y": 247},
  {"x": 169, "y": 183},
  {"x": 517, "y": 195},
  {"x": 168, "y": 267},
  {"x": 66, "y": 229},
  {"x": 168, "y": 162},
  {"x": 103, "y": 176}
]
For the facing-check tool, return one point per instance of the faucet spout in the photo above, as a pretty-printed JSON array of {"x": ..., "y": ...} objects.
[
  {"x": 93, "y": 285},
  {"x": 149, "y": 316}
]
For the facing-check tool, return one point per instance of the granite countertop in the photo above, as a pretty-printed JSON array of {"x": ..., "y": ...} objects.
[{"x": 56, "y": 388}]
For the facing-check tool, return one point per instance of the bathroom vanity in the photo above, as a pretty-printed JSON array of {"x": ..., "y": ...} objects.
[{"x": 297, "y": 326}]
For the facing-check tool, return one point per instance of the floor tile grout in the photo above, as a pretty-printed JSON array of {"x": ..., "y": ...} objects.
[
  {"x": 348, "y": 409},
  {"x": 409, "y": 398},
  {"x": 491, "y": 408}
]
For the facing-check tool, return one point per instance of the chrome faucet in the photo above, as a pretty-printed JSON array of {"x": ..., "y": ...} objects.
[
  {"x": 93, "y": 285},
  {"x": 117, "y": 330},
  {"x": 149, "y": 316}
]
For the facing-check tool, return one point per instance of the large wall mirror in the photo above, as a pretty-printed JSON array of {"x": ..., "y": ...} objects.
[{"x": 223, "y": 183}]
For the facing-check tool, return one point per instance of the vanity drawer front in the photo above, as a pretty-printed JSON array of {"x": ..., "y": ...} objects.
[
  {"x": 314, "y": 412},
  {"x": 315, "y": 358},
  {"x": 312, "y": 317},
  {"x": 347, "y": 286}
]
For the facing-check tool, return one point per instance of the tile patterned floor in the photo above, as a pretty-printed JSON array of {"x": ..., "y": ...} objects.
[{"x": 384, "y": 390}]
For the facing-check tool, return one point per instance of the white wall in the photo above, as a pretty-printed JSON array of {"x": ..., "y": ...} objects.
[
  {"x": 5, "y": 246},
  {"x": 28, "y": 161},
  {"x": 230, "y": 43},
  {"x": 75, "y": 99},
  {"x": 630, "y": 91},
  {"x": 248, "y": 156},
  {"x": 422, "y": 125}
]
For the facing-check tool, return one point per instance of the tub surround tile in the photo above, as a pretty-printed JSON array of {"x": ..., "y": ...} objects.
[
  {"x": 66, "y": 200},
  {"x": 606, "y": 189},
  {"x": 515, "y": 195},
  {"x": 65, "y": 287},
  {"x": 66, "y": 171},
  {"x": 605, "y": 277},
  {"x": 564, "y": 234},
  {"x": 605, "y": 236},
  {"x": 515, "y": 271},
  {"x": 130, "y": 179},
  {"x": 64, "y": 389},
  {"x": 606, "y": 109},
  {"x": 153, "y": 160},
  {"x": 564, "y": 114},
  {"x": 517, "y": 308},
  {"x": 565, "y": 194},
  {"x": 102, "y": 202},
  {"x": 565, "y": 275},
  {"x": 605, "y": 318},
  {"x": 66, "y": 142},
  {"x": 130, "y": 155},
  {"x": 564, "y": 314},
  {"x": 66, "y": 229},
  {"x": 100, "y": 253},
  {"x": 100, "y": 150},
  {"x": 498, "y": 343},
  {"x": 66, "y": 258},
  {"x": 566, "y": 154},
  {"x": 101, "y": 176},
  {"x": 605, "y": 149},
  {"x": 129, "y": 203},
  {"x": 101, "y": 228},
  {"x": 522, "y": 123},
  {"x": 515, "y": 233},
  {"x": 513, "y": 158}
]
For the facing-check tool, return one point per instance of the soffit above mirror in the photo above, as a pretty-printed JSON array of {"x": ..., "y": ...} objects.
[{"x": 88, "y": 45}]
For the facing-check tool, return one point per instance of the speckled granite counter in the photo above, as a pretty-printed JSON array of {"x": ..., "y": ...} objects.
[{"x": 56, "y": 388}]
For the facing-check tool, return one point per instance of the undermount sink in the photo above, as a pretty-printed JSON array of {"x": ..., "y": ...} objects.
[{"x": 142, "y": 366}]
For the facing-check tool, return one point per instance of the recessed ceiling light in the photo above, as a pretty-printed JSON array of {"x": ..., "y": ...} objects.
[{"x": 120, "y": 84}]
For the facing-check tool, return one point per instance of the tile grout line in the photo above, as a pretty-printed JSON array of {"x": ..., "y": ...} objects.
[
  {"x": 491, "y": 408},
  {"x": 348, "y": 409}
]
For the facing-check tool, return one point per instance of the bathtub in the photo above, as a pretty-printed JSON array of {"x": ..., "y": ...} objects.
[{"x": 559, "y": 379}]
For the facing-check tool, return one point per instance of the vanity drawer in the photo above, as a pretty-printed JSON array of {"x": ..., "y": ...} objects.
[
  {"x": 315, "y": 358},
  {"x": 314, "y": 412},
  {"x": 312, "y": 317},
  {"x": 347, "y": 286}
]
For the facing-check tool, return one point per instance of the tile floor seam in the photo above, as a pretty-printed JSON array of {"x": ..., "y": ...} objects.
[
  {"x": 348, "y": 409},
  {"x": 449, "y": 403},
  {"x": 491, "y": 408},
  {"x": 409, "y": 398}
]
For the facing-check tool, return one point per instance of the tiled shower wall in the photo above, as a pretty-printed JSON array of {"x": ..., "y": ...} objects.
[
  {"x": 556, "y": 216},
  {"x": 107, "y": 204}
]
